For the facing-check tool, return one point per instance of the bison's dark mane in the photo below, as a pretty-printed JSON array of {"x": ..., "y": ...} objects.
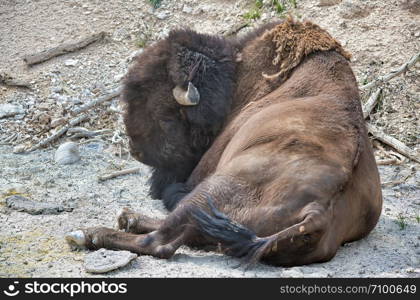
[
  {"x": 185, "y": 56},
  {"x": 208, "y": 62}
]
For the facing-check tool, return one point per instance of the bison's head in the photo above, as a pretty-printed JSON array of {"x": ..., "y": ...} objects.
[{"x": 177, "y": 95}]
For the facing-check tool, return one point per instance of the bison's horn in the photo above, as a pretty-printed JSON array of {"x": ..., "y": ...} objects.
[{"x": 189, "y": 97}]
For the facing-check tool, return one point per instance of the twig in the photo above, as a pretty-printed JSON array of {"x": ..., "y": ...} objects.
[
  {"x": 8, "y": 139},
  {"x": 392, "y": 74},
  {"x": 234, "y": 29},
  {"x": 87, "y": 106},
  {"x": 81, "y": 132},
  {"x": 118, "y": 173},
  {"x": 392, "y": 183},
  {"x": 97, "y": 139},
  {"x": 10, "y": 81},
  {"x": 59, "y": 133},
  {"x": 393, "y": 142},
  {"x": 36, "y": 58},
  {"x": 371, "y": 103},
  {"x": 396, "y": 182},
  {"x": 395, "y": 154},
  {"x": 389, "y": 161}
]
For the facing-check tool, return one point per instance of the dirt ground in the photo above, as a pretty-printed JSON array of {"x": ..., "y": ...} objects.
[{"x": 381, "y": 35}]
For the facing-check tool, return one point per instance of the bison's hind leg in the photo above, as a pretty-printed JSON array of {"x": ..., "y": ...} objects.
[
  {"x": 308, "y": 241},
  {"x": 302, "y": 243}
]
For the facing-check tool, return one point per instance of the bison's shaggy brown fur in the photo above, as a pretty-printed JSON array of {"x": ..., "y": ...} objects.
[
  {"x": 290, "y": 176},
  {"x": 294, "y": 40}
]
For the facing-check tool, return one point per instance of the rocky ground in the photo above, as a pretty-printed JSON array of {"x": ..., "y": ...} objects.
[{"x": 381, "y": 35}]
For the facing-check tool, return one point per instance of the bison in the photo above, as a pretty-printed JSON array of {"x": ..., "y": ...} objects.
[{"x": 257, "y": 143}]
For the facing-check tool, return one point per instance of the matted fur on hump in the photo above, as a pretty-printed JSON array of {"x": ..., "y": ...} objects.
[{"x": 294, "y": 40}]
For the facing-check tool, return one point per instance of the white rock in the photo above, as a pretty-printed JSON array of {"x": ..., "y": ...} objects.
[
  {"x": 67, "y": 153},
  {"x": 186, "y": 9},
  {"x": 118, "y": 77},
  {"x": 9, "y": 110},
  {"x": 162, "y": 15},
  {"x": 70, "y": 62},
  {"x": 103, "y": 260},
  {"x": 19, "y": 148},
  {"x": 57, "y": 122},
  {"x": 135, "y": 54}
]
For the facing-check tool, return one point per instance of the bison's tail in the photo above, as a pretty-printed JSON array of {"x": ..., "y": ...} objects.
[{"x": 237, "y": 240}]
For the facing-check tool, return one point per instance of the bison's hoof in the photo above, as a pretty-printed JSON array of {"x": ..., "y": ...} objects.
[
  {"x": 76, "y": 239},
  {"x": 126, "y": 220}
]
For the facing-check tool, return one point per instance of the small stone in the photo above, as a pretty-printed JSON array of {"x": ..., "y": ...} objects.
[
  {"x": 57, "y": 122},
  {"x": 19, "y": 149},
  {"x": 134, "y": 54},
  {"x": 19, "y": 117},
  {"x": 162, "y": 15},
  {"x": 118, "y": 77},
  {"x": 67, "y": 153},
  {"x": 186, "y": 9},
  {"x": 42, "y": 118},
  {"x": 70, "y": 62},
  {"x": 103, "y": 260},
  {"x": 9, "y": 110},
  {"x": 57, "y": 89}
]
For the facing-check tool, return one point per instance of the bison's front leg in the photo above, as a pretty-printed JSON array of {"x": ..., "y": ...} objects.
[
  {"x": 173, "y": 232},
  {"x": 154, "y": 243},
  {"x": 133, "y": 222}
]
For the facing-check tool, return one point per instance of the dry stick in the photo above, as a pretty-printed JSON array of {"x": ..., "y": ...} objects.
[
  {"x": 8, "y": 140},
  {"x": 235, "y": 29},
  {"x": 10, "y": 81},
  {"x": 36, "y": 58},
  {"x": 59, "y": 133},
  {"x": 81, "y": 132},
  {"x": 389, "y": 161},
  {"x": 87, "y": 106},
  {"x": 371, "y": 103},
  {"x": 392, "y": 74},
  {"x": 395, "y": 154},
  {"x": 393, "y": 142},
  {"x": 118, "y": 173}
]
